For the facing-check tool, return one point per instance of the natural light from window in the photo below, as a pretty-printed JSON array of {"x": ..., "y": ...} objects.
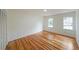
[
  {"x": 50, "y": 22},
  {"x": 68, "y": 23}
]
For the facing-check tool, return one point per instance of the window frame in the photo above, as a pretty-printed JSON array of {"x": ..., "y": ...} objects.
[
  {"x": 68, "y": 25},
  {"x": 51, "y": 26}
]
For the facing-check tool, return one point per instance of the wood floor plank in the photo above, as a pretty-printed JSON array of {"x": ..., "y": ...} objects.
[
  {"x": 43, "y": 41},
  {"x": 43, "y": 44},
  {"x": 46, "y": 43},
  {"x": 51, "y": 40}
]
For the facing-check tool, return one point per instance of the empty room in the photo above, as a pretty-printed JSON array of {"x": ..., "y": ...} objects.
[{"x": 39, "y": 29}]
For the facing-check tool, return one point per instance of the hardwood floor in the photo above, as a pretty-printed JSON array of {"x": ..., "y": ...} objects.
[{"x": 43, "y": 41}]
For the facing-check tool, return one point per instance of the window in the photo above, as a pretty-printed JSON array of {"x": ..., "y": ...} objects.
[
  {"x": 68, "y": 23},
  {"x": 50, "y": 22}
]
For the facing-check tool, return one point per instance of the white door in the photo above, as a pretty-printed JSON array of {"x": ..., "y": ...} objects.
[{"x": 3, "y": 26}]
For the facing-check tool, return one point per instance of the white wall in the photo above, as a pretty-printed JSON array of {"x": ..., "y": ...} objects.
[
  {"x": 21, "y": 23},
  {"x": 58, "y": 24}
]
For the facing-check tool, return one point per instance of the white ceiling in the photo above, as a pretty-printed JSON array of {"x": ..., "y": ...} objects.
[
  {"x": 40, "y": 11},
  {"x": 57, "y": 11}
]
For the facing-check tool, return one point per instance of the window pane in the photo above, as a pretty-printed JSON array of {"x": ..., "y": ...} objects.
[
  {"x": 50, "y": 22},
  {"x": 68, "y": 23}
]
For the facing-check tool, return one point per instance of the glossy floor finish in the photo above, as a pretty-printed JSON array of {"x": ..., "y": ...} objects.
[{"x": 43, "y": 41}]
